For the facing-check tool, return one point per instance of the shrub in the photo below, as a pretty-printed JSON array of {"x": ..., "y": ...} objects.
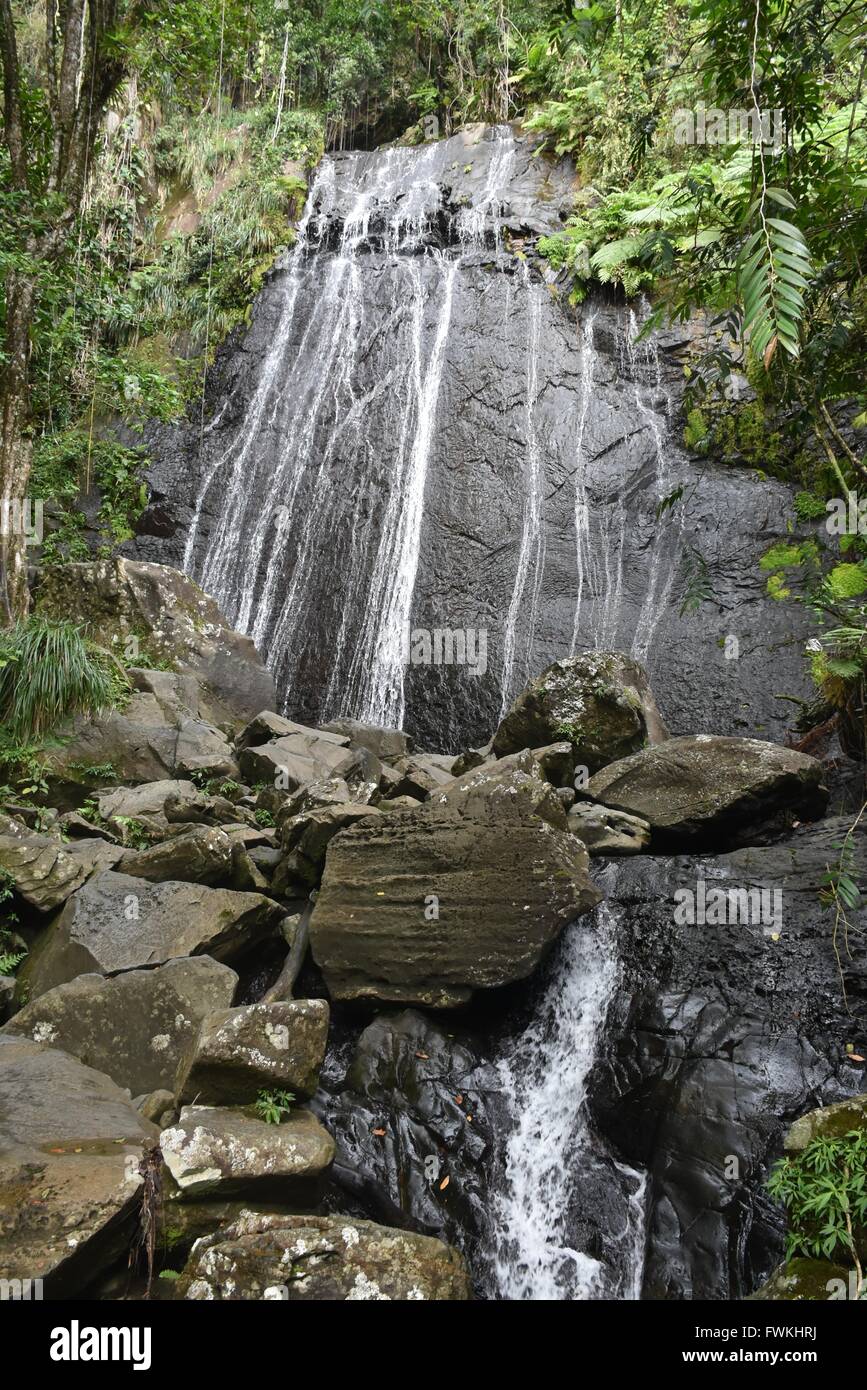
[{"x": 48, "y": 672}]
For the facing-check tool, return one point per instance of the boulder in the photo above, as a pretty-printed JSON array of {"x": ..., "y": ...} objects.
[
  {"x": 604, "y": 831},
  {"x": 470, "y": 758},
  {"x": 221, "y": 1152},
  {"x": 202, "y": 749},
  {"x": 467, "y": 892},
  {"x": 829, "y": 1122},
  {"x": 706, "y": 791},
  {"x": 158, "y": 1107},
  {"x": 275, "y": 765},
  {"x": 801, "y": 1279},
  {"x": 267, "y": 727},
  {"x": 178, "y": 694},
  {"x": 70, "y": 1145},
  {"x": 43, "y": 870},
  {"x": 240, "y": 1052},
  {"x": 518, "y": 777},
  {"x": 322, "y": 1258},
  {"x": 125, "y": 602},
  {"x": 195, "y": 808},
  {"x": 387, "y": 744},
  {"x": 136, "y": 742},
  {"x": 600, "y": 702},
  {"x": 420, "y": 775},
  {"x": 332, "y": 791},
  {"x": 202, "y": 855},
  {"x": 306, "y": 838},
  {"x": 140, "y": 743},
  {"x": 135, "y": 1027},
  {"x": 149, "y": 799},
  {"x": 117, "y": 923}
]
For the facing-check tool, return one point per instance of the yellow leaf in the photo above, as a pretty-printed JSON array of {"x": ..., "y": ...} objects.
[{"x": 444, "y": 1184}]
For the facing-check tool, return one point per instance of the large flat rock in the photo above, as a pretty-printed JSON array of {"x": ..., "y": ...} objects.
[
  {"x": 322, "y": 1258},
  {"x": 135, "y": 1027},
  {"x": 70, "y": 1145},
  {"x": 218, "y": 1151},
  {"x": 117, "y": 923},
  {"x": 465, "y": 893},
  {"x": 711, "y": 792}
]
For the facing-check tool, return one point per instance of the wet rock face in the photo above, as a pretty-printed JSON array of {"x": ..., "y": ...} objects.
[
  {"x": 411, "y": 1125},
  {"x": 552, "y": 439},
  {"x": 719, "y": 1036}
]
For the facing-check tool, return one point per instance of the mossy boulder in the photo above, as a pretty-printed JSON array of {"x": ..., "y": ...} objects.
[
  {"x": 803, "y": 1279},
  {"x": 155, "y": 616},
  {"x": 322, "y": 1258},
  {"x": 830, "y": 1122},
  {"x": 599, "y": 702},
  {"x": 704, "y": 791}
]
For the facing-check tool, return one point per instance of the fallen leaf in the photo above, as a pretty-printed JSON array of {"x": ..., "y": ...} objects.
[
  {"x": 469, "y": 1119},
  {"x": 423, "y": 1055},
  {"x": 379, "y": 1133},
  {"x": 459, "y": 1099},
  {"x": 855, "y": 1057},
  {"x": 444, "y": 1184}
]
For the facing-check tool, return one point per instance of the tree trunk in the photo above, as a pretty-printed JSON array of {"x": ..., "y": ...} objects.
[{"x": 15, "y": 448}]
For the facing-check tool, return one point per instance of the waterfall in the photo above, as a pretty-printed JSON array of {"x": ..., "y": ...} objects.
[
  {"x": 584, "y": 556},
  {"x": 532, "y": 551},
  {"x": 334, "y": 476},
  {"x": 276, "y": 487},
  {"x": 549, "y": 1148},
  {"x": 642, "y": 359}
]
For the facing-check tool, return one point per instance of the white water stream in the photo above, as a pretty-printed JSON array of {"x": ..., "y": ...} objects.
[{"x": 544, "y": 1077}]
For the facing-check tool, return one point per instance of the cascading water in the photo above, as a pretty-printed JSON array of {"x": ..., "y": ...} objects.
[
  {"x": 550, "y": 1152},
  {"x": 531, "y": 556},
  {"x": 264, "y": 562},
  {"x": 402, "y": 410},
  {"x": 643, "y": 361}
]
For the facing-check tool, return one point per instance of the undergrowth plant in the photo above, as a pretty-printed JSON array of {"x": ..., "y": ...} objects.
[
  {"x": 824, "y": 1192},
  {"x": 49, "y": 671},
  {"x": 274, "y": 1106}
]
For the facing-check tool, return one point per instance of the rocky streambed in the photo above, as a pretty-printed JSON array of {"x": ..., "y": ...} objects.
[{"x": 310, "y": 1013}]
